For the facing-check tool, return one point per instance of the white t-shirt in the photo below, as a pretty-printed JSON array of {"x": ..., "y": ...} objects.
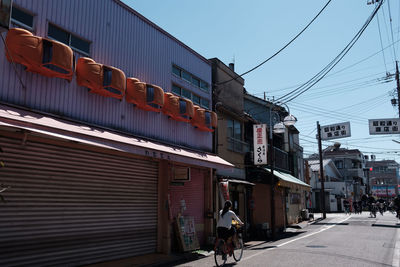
[{"x": 226, "y": 220}]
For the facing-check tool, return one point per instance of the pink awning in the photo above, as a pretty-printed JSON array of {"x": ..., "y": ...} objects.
[{"x": 46, "y": 125}]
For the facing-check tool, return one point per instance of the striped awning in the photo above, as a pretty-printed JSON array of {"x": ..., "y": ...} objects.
[{"x": 287, "y": 180}]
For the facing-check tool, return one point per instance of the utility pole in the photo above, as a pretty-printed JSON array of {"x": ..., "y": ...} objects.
[
  {"x": 321, "y": 170},
  {"x": 272, "y": 165},
  {"x": 398, "y": 86}
]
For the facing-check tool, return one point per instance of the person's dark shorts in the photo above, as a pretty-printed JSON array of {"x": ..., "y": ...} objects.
[{"x": 225, "y": 233}]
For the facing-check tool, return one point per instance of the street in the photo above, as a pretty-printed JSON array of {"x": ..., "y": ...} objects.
[{"x": 339, "y": 240}]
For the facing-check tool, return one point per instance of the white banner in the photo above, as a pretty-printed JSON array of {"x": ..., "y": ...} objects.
[
  {"x": 260, "y": 144},
  {"x": 333, "y": 131},
  {"x": 384, "y": 126}
]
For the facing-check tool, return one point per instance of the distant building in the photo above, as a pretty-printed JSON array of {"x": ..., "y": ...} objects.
[
  {"x": 350, "y": 163},
  {"x": 383, "y": 178},
  {"x": 335, "y": 188}
]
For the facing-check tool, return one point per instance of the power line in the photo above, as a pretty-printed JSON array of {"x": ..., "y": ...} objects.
[
  {"x": 391, "y": 29},
  {"x": 320, "y": 75},
  {"x": 380, "y": 38},
  {"x": 280, "y": 50}
]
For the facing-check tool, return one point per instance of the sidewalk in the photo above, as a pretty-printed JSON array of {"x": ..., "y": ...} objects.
[{"x": 157, "y": 259}]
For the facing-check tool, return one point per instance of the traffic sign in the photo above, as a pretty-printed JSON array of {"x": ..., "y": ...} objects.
[
  {"x": 384, "y": 126},
  {"x": 333, "y": 131}
]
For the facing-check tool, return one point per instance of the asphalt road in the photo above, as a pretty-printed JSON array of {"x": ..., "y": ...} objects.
[{"x": 339, "y": 240}]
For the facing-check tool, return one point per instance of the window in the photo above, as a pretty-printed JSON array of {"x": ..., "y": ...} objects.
[
  {"x": 234, "y": 135},
  {"x": 187, "y": 94},
  {"x": 187, "y": 76},
  {"x": 204, "y": 85},
  {"x": 176, "y": 89},
  {"x": 339, "y": 164},
  {"x": 176, "y": 71},
  {"x": 205, "y": 103},
  {"x": 69, "y": 39},
  {"x": 21, "y": 18},
  {"x": 196, "y": 99},
  {"x": 196, "y": 81}
]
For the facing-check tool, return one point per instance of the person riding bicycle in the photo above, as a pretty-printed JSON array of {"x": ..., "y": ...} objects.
[
  {"x": 346, "y": 205},
  {"x": 224, "y": 226},
  {"x": 396, "y": 205}
]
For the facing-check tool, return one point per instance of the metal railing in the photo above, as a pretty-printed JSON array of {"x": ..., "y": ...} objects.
[{"x": 237, "y": 145}]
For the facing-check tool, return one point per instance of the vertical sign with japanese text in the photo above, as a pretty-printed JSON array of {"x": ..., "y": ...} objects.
[{"x": 260, "y": 144}]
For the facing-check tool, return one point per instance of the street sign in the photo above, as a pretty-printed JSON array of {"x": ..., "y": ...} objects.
[
  {"x": 384, "y": 126},
  {"x": 334, "y": 131},
  {"x": 260, "y": 144}
]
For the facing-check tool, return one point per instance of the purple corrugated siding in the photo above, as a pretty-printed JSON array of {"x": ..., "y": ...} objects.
[{"x": 120, "y": 39}]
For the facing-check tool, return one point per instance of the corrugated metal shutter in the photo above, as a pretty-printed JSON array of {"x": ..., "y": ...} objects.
[
  {"x": 69, "y": 207},
  {"x": 193, "y": 194}
]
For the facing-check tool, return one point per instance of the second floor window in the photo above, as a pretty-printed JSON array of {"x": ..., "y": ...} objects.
[
  {"x": 21, "y": 18},
  {"x": 234, "y": 137},
  {"x": 234, "y": 130},
  {"x": 69, "y": 39},
  {"x": 339, "y": 164}
]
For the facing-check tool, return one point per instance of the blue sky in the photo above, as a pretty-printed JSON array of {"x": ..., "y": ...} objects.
[{"x": 249, "y": 32}]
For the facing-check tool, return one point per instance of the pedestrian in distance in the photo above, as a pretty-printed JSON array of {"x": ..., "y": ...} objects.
[{"x": 346, "y": 205}]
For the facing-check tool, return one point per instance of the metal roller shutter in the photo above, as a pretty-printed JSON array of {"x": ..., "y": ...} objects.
[{"x": 69, "y": 207}]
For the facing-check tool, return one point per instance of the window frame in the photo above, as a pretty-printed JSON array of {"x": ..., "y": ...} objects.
[
  {"x": 192, "y": 95},
  {"x": 21, "y": 24},
  {"x": 202, "y": 85},
  {"x": 70, "y": 34}
]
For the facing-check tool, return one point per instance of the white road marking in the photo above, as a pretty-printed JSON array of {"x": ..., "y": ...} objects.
[
  {"x": 305, "y": 236},
  {"x": 396, "y": 253}
]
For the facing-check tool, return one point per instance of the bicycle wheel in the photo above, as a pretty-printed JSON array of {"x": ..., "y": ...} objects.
[
  {"x": 238, "y": 251},
  {"x": 219, "y": 254}
]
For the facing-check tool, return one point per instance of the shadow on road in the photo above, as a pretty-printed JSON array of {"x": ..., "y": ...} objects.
[
  {"x": 386, "y": 225},
  {"x": 319, "y": 223}
]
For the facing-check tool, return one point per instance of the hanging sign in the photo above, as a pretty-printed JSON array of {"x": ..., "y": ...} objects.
[
  {"x": 384, "y": 126},
  {"x": 334, "y": 131},
  {"x": 260, "y": 144}
]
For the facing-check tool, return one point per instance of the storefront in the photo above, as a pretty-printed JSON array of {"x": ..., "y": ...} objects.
[
  {"x": 239, "y": 192},
  {"x": 80, "y": 194},
  {"x": 295, "y": 193}
]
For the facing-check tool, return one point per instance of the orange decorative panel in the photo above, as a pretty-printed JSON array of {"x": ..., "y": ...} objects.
[
  {"x": 145, "y": 96},
  {"x": 178, "y": 108},
  {"x": 40, "y": 55},
  {"x": 100, "y": 79},
  {"x": 204, "y": 120}
]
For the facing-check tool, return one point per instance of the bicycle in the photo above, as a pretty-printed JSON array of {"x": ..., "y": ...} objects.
[{"x": 222, "y": 250}]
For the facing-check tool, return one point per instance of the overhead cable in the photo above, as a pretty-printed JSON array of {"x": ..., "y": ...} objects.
[
  {"x": 320, "y": 75},
  {"x": 280, "y": 50}
]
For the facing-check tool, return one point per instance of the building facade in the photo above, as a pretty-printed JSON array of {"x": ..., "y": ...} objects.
[
  {"x": 230, "y": 142},
  {"x": 350, "y": 163},
  {"x": 334, "y": 187},
  {"x": 383, "y": 178},
  {"x": 280, "y": 197},
  {"x": 102, "y": 152}
]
